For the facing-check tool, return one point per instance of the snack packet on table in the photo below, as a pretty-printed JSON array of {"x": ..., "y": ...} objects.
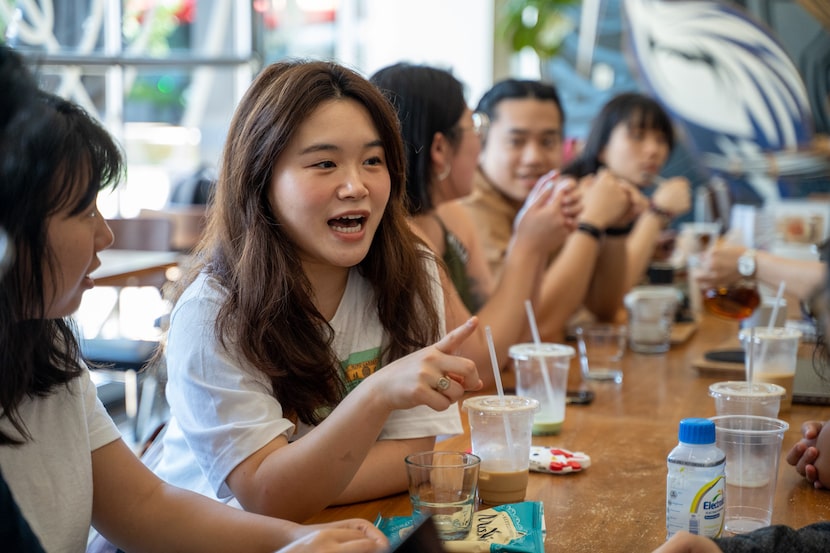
[{"x": 514, "y": 528}]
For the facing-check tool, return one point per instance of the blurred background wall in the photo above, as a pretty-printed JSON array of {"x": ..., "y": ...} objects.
[{"x": 165, "y": 75}]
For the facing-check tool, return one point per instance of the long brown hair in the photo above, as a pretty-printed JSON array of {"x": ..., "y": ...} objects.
[{"x": 269, "y": 315}]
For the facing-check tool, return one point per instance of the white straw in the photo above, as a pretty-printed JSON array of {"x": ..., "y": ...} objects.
[
  {"x": 771, "y": 325},
  {"x": 497, "y": 374},
  {"x": 776, "y": 305},
  {"x": 494, "y": 361},
  {"x": 531, "y": 318}
]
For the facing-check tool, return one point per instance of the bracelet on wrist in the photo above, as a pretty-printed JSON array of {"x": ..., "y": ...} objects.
[
  {"x": 665, "y": 216},
  {"x": 588, "y": 228},
  {"x": 620, "y": 231}
]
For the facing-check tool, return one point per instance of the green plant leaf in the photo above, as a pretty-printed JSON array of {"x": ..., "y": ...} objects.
[{"x": 545, "y": 35}]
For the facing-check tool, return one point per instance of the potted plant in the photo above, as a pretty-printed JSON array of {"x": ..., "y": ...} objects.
[{"x": 538, "y": 24}]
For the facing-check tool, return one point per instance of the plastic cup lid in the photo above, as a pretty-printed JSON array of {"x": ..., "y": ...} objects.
[
  {"x": 767, "y": 333},
  {"x": 528, "y": 350},
  {"x": 497, "y": 405},
  {"x": 742, "y": 391},
  {"x": 652, "y": 292}
]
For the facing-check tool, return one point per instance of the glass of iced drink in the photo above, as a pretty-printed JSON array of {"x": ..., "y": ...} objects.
[{"x": 501, "y": 429}]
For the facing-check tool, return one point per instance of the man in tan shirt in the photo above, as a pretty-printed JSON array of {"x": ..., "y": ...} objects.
[{"x": 522, "y": 145}]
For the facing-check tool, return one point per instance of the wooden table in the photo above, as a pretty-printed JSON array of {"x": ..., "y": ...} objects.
[
  {"x": 123, "y": 267},
  {"x": 618, "y": 504}
]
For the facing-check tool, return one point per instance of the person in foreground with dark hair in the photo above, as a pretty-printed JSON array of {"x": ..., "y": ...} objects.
[
  {"x": 308, "y": 350},
  {"x": 15, "y": 94}
]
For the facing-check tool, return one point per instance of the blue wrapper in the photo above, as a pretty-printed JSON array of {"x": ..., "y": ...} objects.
[{"x": 514, "y": 527}]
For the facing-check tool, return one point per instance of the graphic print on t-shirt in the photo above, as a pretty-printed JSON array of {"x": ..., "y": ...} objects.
[{"x": 358, "y": 366}]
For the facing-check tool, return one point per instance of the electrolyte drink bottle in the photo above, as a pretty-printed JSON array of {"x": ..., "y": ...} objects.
[{"x": 696, "y": 483}]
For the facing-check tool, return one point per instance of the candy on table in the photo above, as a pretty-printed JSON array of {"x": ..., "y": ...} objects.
[{"x": 555, "y": 460}]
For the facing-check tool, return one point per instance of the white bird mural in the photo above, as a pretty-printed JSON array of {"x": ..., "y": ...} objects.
[{"x": 732, "y": 86}]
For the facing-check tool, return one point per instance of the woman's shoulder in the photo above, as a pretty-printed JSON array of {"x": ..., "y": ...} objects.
[
  {"x": 457, "y": 220},
  {"x": 450, "y": 211},
  {"x": 203, "y": 287},
  {"x": 423, "y": 242},
  {"x": 205, "y": 294}
]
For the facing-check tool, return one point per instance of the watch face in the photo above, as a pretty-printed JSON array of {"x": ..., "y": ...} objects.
[{"x": 746, "y": 265}]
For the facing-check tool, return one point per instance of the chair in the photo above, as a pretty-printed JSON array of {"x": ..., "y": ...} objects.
[
  {"x": 187, "y": 221},
  {"x": 118, "y": 363},
  {"x": 143, "y": 233}
]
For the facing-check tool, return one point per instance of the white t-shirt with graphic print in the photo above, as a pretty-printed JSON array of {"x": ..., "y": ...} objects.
[{"x": 223, "y": 408}]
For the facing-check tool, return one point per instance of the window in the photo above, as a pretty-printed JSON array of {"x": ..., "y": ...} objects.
[{"x": 163, "y": 76}]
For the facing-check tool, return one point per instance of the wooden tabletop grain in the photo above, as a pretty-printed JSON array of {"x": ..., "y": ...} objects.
[{"x": 618, "y": 504}]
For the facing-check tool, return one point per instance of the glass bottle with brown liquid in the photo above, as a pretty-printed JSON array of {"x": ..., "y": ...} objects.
[
  {"x": 734, "y": 302},
  {"x": 738, "y": 300}
]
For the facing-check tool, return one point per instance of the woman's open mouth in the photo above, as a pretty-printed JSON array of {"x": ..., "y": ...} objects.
[{"x": 348, "y": 223}]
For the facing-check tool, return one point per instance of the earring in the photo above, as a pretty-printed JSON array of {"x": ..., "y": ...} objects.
[{"x": 445, "y": 173}]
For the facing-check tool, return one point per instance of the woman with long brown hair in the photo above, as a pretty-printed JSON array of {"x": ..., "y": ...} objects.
[{"x": 305, "y": 352}]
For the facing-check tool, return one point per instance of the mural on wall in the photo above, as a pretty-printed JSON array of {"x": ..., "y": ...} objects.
[
  {"x": 732, "y": 87},
  {"x": 583, "y": 94}
]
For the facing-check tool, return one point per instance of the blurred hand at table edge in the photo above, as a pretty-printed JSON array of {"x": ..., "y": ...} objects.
[
  {"x": 351, "y": 536},
  {"x": 804, "y": 455},
  {"x": 719, "y": 267},
  {"x": 684, "y": 542}
]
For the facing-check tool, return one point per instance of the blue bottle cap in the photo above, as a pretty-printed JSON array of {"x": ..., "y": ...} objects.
[{"x": 697, "y": 431}]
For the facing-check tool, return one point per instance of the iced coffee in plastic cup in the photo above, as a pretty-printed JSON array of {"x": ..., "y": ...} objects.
[
  {"x": 773, "y": 353},
  {"x": 501, "y": 428}
]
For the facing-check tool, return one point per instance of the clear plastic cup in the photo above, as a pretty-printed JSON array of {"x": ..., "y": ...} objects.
[
  {"x": 500, "y": 430},
  {"x": 742, "y": 398},
  {"x": 773, "y": 353},
  {"x": 753, "y": 449},
  {"x": 548, "y": 388},
  {"x": 650, "y": 317},
  {"x": 601, "y": 349}
]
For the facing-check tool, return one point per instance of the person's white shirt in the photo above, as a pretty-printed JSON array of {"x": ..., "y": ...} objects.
[
  {"x": 223, "y": 409},
  {"x": 50, "y": 475}
]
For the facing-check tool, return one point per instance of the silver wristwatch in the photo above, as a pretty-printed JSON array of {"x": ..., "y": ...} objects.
[{"x": 746, "y": 263}]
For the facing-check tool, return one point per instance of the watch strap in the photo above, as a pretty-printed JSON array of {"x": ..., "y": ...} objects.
[{"x": 747, "y": 259}]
